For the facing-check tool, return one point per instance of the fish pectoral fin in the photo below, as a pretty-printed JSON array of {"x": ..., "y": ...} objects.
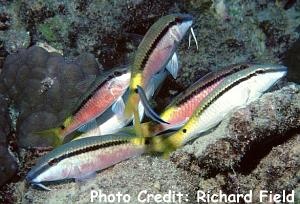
[
  {"x": 173, "y": 66},
  {"x": 85, "y": 177},
  {"x": 88, "y": 126},
  {"x": 85, "y": 84},
  {"x": 42, "y": 186},
  {"x": 148, "y": 110},
  {"x": 118, "y": 107}
]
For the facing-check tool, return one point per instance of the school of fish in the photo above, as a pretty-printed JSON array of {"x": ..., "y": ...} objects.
[{"x": 121, "y": 96}]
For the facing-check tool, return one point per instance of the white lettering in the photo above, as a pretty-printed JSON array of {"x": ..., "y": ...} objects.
[
  {"x": 232, "y": 198},
  {"x": 109, "y": 198},
  {"x": 142, "y": 193},
  {"x": 291, "y": 197},
  {"x": 248, "y": 197},
  {"x": 262, "y": 194},
  {"x": 94, "y": 195},
  {"x": 201, "y": 196}
]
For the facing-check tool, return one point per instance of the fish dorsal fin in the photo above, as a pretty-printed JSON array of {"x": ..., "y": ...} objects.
[
  {"x": 119, "y": 106},
  {"x": 86, "y": 83},
  {"x": 173, "y": 66}
]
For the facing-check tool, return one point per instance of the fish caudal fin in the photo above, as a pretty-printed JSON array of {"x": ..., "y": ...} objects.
[
  {"x": 54, "y": 133},
  {"x": 148, "y": 110},
  {"x": 131, "y": 108},
  {"x": 161, "y": 144}
]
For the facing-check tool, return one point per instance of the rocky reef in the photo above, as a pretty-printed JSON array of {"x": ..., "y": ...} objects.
[
  {"x": 241, "y": 154},
  {"x": 8, "y": 163},
  {"x": 42, "y": 87},
  {"x": 255, "y": 147}
]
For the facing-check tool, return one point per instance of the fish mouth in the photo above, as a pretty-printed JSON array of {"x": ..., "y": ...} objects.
[
  {"x": 31, "y": 180},
  {"x": 30, "y": 177}
]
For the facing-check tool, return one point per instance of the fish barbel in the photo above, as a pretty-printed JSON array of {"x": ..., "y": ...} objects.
[
  {"x": 83, "y": 157},
  {"x": 154, "y": 52}
]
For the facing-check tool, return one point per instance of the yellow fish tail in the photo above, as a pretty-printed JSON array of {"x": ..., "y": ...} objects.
[{"x": 54, "y": 134}]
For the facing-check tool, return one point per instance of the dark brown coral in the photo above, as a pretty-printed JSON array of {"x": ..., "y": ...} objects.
[{"x": 43, "y": 87}]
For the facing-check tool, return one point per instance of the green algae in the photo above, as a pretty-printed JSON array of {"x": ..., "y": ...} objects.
[{"x": 54, "y": 30}]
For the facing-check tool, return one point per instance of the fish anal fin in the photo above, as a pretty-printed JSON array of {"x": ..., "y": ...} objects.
[{"x": 82, "y": 178}]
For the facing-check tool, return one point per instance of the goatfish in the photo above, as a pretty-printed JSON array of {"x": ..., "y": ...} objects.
[
  {"x": 184, "y": 104},
  {"x": 154, "y": 52},
  {"x": 235, "y": 91},
  {"x": 103, "y": 92},
  {"x": 82, "y": 158},
  {"x": 113, "y": 119}
]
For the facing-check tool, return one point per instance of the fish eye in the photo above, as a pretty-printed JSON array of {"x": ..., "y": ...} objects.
[
  {"x": 62, "y": 127},
  {"x": 184, "y": 130},
  {"x": 178, "y": 20},
  {"x": 260, "y": 71},
  {"x": 241, "y": 67},
  {"x": 136, "y": 90},
  {"x": 117, "y": 73}
]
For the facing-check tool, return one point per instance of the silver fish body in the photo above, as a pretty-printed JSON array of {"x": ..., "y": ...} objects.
[
  {"x": 237, "y": 90},
  {"x": 110, "y": 122},
  {"x": 84, "y": 157}
]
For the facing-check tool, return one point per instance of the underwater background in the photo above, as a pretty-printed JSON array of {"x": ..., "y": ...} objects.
[{"x": 47, "y": 48}]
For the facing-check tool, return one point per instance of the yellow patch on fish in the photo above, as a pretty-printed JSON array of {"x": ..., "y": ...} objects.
[
  {"x": 68, "y": 121},
  {"x": 136, "y": 81},
  {"x": 166, "y": 115}
]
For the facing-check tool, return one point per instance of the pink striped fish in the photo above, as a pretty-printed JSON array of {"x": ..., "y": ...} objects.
[
  {"x": 183, "y": 106},
  {"x": 101, "y": 95}
]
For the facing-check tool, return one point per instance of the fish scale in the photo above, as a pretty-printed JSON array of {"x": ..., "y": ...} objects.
[
  {"x": 102, "y": 98},
  {"x": 154, "y": 52},
  {"x": 151, "y": 39},
  {"x": 104, "y": 91},
  {"x": 184, "y": 104},
  {"x": 236, "y": 90},
  {"x": 82, "y": 157}
]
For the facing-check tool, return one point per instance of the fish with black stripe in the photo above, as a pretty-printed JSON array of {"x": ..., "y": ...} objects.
[
  {"x": 154, "y": 52},
  {"x": 103, "y": 92},
  {"x": 184, "y": 104},
  {"x": 81, "y": 158},
  {"x": 236, "y": 90}
]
